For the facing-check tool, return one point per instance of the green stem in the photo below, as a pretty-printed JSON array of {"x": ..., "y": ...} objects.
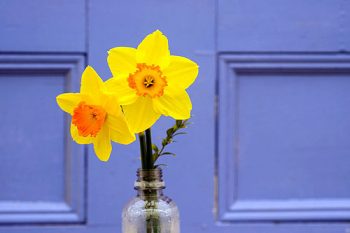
[
  {"x": 159, "y": 153},
  {"x": 143, "y": 150},
  {"x": 152, "y": 223},
  {"x": 152, "y": 226},
  {"x": 149, "y": 156}
]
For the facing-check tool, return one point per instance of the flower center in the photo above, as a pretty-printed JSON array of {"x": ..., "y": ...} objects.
[
  {"x": 148, "y": 80},
  {"x": 88, "y": 119}
]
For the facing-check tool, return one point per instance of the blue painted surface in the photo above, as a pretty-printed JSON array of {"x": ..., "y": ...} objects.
[
  {"x": 41, "y": 26},
  {"x": 269, "y": 139},
  {"x": 17, "y": 121},
  {"x": 43, "y": 171},
  {"x": 272, "y": 176},
  {"x": 290, "y": 26}
]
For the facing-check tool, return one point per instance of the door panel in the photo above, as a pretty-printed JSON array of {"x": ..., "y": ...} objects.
[
  {"x": 274, "y": 25},
  {"x": 287, "y": 138},
  {"x": 42, "y": 170},
  {"x": 42, "y": 26},
  {"x": 283, "y": 117}
]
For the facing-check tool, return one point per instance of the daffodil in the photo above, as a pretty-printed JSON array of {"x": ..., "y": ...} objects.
[
  {"x": 151, "y": 82},
  {"x": 96, "y": 115}
]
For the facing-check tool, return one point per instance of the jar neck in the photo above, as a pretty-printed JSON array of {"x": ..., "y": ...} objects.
[{"x": 149, "y": 183}]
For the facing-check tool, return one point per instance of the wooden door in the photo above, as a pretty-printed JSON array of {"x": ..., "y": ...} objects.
[{"x": 268, "y": 147}]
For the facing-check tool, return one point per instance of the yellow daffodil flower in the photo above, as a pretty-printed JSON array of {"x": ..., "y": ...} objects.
[
  {"x": 96, "y": 115},
  {"x": 150, "y": 82}
]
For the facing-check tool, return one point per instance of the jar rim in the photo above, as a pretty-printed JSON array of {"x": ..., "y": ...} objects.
[{"x": 149, "y": 179}]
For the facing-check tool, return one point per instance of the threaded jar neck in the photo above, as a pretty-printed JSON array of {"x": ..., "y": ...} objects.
[{"x": 149, "y": 179}]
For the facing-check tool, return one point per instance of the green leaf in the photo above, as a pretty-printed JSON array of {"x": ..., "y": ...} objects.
[
  {"x": 169, "y": 132},
  {"x": 155, "y": 148},
  {"x": 170, "y": 135},
  {"x": 186, "y": 123},
  {"x": 161, "y": 164},
  {"x": 168, "y": 153},
  {"x": 165, "y": 142},
  {"x": 179, "y": 123},
  {"x": 179, "y": 133}
]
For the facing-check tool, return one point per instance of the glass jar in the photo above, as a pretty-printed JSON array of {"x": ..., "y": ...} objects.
[{"x": 150, "y": 211}]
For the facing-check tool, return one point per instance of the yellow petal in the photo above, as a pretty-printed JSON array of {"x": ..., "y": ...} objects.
[
  {"x": 140, "y": 115},
  {"x": 119, "y": 130},
  {"x": 120, "y": 87},
  {"x": 91, "y": 83},
  {"x": 68, "y": 101},
  {"x": 111, "y": 105},
  {"x": 154, "y": 50},
  {"x": 122, "y": 60},
  {"x": 77, "y": 138},
  {"x": 181, "y": 72},
  {"x": 102, "y": 144},
  {"x": 174, "y": 103}
]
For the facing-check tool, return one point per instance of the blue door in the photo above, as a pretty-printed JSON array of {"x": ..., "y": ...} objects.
[{"x": 268, "y": 149}]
